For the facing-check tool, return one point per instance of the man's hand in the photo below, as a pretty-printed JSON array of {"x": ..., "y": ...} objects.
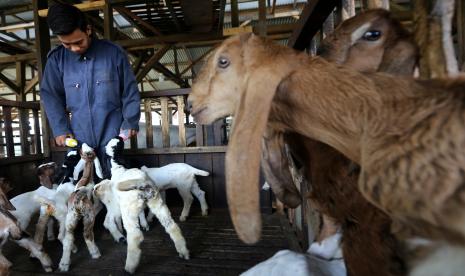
[
  {"x": 132, "y": 133},
  {"x": 60, "y": 140}
]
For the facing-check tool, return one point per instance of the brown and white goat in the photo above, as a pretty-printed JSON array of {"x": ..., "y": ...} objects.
[
  {"x": 81, "y": 206},
  {"x": 367, "y": 42},
  {"x": 407, "y": 135},
  {"x": 9, "y": 229}
]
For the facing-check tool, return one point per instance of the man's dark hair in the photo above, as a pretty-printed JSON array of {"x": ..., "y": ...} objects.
[{"x": 63, "y": 19}]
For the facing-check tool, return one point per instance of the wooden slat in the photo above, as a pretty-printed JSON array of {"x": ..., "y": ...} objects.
[
  {"x": 166, "y": 93},
  {"x": 181, "y": 116},
  {"x": 11, "y": 84},
  {"x": 88, "y": 6},
  {"x": 203, "y": 162},
  {"x": 28, "y": 105},
  {"x": 311, "y": 20},
  {"x": 31, "y": 84},
  {"x": 165, "y": 127},
  {"x": 262, "y": 18},
  {"x": 38, "y": 145},
  {"x": 24, "y": 131},
  {"x": 217, "y": 132},
  {"x": 8, "y": 131},
  {"x": 199, "y": 130},
  {"x": 136, "y": 19},
  {"x": 151, "y": 62},
  {"x": 461, "y": 33},
  {"x": 20, "y": 159},
  {"x": 234, "y": 13},
  {"x": 15, "y": 58},
  {"x": 148, "y": 123}
]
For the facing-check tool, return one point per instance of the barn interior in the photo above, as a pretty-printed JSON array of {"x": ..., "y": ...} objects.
[{"x": 167, "y": 42}]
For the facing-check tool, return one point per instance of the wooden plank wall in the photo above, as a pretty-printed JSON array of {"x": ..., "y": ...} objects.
[{"x": 22, "y": 176}]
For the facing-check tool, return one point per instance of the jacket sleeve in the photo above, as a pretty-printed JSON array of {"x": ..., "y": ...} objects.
[
  {"x": 130, "y": 94},
  {"x": 53, "y": 98}
]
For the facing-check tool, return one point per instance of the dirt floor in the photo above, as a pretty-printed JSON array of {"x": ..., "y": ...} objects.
[{"x": 213, "y": 244}]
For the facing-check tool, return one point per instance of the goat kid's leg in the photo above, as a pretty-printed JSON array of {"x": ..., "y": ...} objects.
[
  {"x": 159, "y": 208},
  {"x": 130, "y": 212},
  {"x": 110, "y": 224},
  {"x": 200, "y": 195},
  {"x": 4, "y": 265},
  {"x": 68, "y": 241},
  {"x": 36, "y": 251},
  {"x": 150, "y": 216},
  {"x": 61, "y": 218},
  {"x": 143, "y": 221},
  {"x": 50, "y": 232},
  {"x": 88, "y": 221},
  {"x": 187, "y": 199},
  {"x": 40, "y": 226}
]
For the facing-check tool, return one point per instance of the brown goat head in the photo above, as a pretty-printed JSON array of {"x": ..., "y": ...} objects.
[
  {"x": 241, "y": 64},
  {"x": 371, "y": 41},
  {"x": 46, "y": 172}
]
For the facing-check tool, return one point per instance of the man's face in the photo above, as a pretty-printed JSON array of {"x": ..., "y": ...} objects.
[{"x": 77, "y": 42}]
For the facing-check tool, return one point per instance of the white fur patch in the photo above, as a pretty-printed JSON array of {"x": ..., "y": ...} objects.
[
  {"x": 73, "y": 152},
  {"x": 86, "y": 149},
  {"x": 109, "y": 147},
  {"x": 46, "y": 164}
]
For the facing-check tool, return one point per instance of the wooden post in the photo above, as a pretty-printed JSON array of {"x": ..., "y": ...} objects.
[
  {"x": 165, "y": 125},
  {"x": 262, "y": 18},
  {"x": 38, "y": 145},
  {"x": 42, "y": 45},
  {"x": 108, "y": 21},
  {"x": 148, "y": 122},
  {"x": 10, "y": 147},
  {"x": 199, "y": 135},
  {"x": 234, "y": 14},
  {"x": 461, "y": 33},
  {"x": 23, "y": 113},
  {"x": 181, "y": 115}
]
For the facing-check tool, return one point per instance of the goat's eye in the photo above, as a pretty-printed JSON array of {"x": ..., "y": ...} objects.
[
  {"x": 372, "y": 35},
  {"x": 223, "y": 62}
]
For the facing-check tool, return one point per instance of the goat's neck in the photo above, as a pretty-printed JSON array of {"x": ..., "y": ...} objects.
[
  {"x": 87, "y": 175},
  {"x": 346, "y": 109}
]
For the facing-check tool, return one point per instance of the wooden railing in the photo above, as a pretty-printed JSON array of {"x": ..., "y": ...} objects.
[{"x": 18, "y": 139}]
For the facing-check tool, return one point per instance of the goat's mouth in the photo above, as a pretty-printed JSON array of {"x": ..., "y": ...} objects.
[{"x": 197, "y": 114}]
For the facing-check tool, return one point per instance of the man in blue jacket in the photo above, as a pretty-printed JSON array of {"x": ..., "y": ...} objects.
[{"x": 92, "y": 80}]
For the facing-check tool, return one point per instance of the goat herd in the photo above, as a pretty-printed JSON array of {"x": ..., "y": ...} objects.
[
  {"x": 392, "y": 181},
  {"x": 125, "y": 196}
]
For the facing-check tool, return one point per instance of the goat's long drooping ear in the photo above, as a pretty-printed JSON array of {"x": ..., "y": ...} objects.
[
  {"x": 400, "y": 59},
  {"x": 79, "y": 168},
  {"x": 98, "y": 168},
  {"x": 244, "y": 149},
  {"x": 5, "y": 203},
  {"x": 275, "y": 166}
]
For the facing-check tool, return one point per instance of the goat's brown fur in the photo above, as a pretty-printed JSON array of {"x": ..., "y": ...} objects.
[
  {"x": 405, "y": 134},
  {"x": 368, "y": 245}
]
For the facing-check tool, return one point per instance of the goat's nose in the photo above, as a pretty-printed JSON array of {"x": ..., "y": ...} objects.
[{"x": 188, "y": 106}]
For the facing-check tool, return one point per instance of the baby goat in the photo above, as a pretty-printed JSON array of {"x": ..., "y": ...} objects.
[
  {"x": 132, "y": 189},
  {"x": 182, "y": 177},
  {"x": 80, "y": 206},
  {"x": 9, "y": 229}
]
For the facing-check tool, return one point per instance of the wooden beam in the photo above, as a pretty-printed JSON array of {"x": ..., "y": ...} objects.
[
  {"x": 170, "y": 75},
  {"x": 11, "y": 84},
  {"x": 28, "y": 105},
  {"x": 15, "y": 58},
  {"x": 165, "y": 125},
  {"x": 262, "y": 18},
  {"x": 21, "y": 78},
  {"x": 17, "y": 27},
  {"x": 38, "y": 144},
  {"x": 8, "y": 131},
  {"x": 196, "y": 61},
  {"x": 165, "y": 93},
  {"x": 181, "y": 117},
  {"x": 31, "y": 84},
  {"x": 151, "y": 62},
  {"x": 311, "y": 20},
  {"x": 234, "y": 13},
  {"x": 148, "y": 123},
  {"x": 42, "y": 42},
  {"x": 88, "y": 6},
  {"x": 108, "y": 30},
  {"x": 138, "y": 20},
  {"x": 460, "y": 15}
]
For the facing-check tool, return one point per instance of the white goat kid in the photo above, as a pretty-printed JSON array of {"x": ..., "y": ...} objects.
[
  {"x": 9, "y": 229},
  {"x": 25, "y": 204},
  {"x": 182, "y": 177},
  {"x": 132, "y": 189}
]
